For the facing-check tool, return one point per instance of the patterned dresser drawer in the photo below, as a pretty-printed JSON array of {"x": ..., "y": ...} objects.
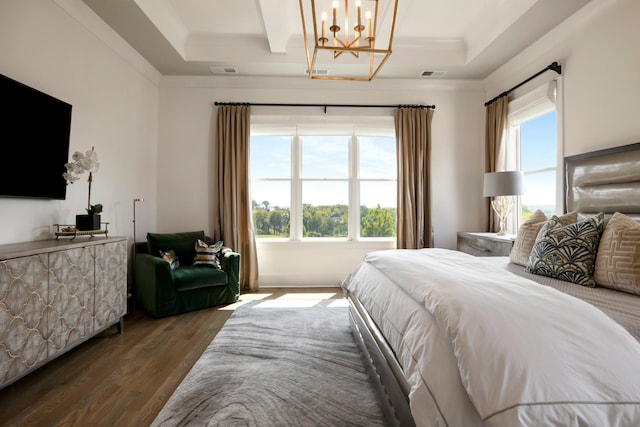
[
  {"x": 56, "y": 294},
  {"x": 485, "y": 244}
]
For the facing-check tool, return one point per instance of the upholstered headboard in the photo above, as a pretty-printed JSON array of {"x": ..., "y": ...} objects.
[{"x": 604, "y": 181}]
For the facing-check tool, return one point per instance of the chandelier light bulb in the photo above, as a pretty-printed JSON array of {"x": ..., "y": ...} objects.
[
  {"x": 324, "y": 27},
  {"x": 359, "y": 26}
]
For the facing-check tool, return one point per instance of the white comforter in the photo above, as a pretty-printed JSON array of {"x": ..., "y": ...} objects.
[{"x": 482, "y": 346}]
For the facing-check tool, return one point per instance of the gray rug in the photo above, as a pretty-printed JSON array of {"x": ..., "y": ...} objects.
[{"x": 274, "y": 366}]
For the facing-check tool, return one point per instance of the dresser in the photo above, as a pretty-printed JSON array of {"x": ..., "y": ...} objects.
[
  {"x": 485, "y": 244},
  {"x": 56, "y": 294}
]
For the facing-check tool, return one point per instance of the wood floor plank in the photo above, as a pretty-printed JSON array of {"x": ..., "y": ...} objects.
[{"x": 124, "y": 379}]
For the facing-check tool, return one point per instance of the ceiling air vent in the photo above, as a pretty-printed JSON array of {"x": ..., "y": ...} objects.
[
  {"x": 432, "y": 73},
  {"x": 317, "y": 72},
  {"x": 224, "y": 70}
]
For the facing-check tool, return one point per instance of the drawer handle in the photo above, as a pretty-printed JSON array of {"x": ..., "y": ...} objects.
[{"x": 478, "y": 248}]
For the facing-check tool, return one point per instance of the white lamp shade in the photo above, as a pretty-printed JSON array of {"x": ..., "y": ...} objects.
[{"x": 507, "y": 183}]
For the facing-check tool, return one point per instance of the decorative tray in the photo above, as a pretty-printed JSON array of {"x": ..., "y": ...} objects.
[{"x": 69, "y": 230}]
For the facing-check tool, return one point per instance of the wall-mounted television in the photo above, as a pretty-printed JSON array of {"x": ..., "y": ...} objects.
[{"x": 34, "y": 142}]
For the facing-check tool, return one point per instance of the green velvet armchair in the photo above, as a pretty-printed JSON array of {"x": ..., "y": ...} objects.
[{"x": 162, "y": 289}]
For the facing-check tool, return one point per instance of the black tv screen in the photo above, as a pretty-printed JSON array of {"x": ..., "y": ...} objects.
[{"x": 34, "y": 142}]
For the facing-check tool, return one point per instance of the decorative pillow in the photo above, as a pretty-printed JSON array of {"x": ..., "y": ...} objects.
[
  {"x": 618, "y": 259},
  {"x": 526, "y": 237},
  {"x": 208, "y": 255},
  {"x": 528, "y": 232},
  {"x": 567, "y": 252},
  {"x": 171, "y": 258}
]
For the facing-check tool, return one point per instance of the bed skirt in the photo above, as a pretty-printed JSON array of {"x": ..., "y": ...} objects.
[{"x": 390, "y": 383}]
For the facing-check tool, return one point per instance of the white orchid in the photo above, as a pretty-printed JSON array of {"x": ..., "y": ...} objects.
[{"x": 81, "y": 163}]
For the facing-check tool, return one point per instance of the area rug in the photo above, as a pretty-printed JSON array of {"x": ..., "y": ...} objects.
[{"x": 278, "y": 366}]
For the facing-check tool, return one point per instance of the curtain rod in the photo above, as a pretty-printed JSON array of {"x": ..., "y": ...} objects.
[
  {"x": 325, "y": 105},
  {"x": 554, "y": 66}
]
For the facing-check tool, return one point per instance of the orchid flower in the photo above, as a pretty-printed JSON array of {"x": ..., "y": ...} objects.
[{"x": 81, "y": 163}]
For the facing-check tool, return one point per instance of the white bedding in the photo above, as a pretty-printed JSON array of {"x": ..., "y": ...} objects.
[{"x": 482, "y": 346}]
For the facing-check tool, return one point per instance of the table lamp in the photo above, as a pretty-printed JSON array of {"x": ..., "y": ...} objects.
[{"x": 501, "y": 186}]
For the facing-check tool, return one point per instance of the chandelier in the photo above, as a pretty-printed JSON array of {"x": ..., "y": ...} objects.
[{"x": 353, "y": 32}]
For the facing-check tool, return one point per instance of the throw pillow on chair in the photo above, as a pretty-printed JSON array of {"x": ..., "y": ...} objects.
[
  {"x": 171, "y": 257},
  {"x": 207, "y": 255}
]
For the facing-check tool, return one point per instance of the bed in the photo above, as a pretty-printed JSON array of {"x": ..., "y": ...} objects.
[{"x": 529, "y": 339}]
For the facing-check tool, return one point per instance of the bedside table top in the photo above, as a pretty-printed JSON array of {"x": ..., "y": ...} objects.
[
  {"x": 485, "y": 244},
  {"x": 490, "y": 236}
]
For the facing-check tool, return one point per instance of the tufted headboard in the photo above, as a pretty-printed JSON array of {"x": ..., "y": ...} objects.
[{"x": 604, "y": 181}]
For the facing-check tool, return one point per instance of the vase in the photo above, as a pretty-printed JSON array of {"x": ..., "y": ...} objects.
[{"x": 88, "y": 222}]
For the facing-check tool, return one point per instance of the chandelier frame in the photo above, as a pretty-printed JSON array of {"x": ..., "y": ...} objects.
[{"x": 343, "y": 43}]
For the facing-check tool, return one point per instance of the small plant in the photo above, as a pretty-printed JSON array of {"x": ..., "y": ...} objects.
[{"x": 94, "y": 209}]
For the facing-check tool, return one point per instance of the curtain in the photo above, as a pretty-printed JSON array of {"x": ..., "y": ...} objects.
[
  {"x": 413, "y": 136},
  {"x": 232, "y": 221},
  {"x": 494, "y": 156}
]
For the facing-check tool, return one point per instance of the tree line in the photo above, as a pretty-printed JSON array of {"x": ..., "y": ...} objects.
[
  {"x": 322, "y": 221},
  {"x": 330, "y": 221}
]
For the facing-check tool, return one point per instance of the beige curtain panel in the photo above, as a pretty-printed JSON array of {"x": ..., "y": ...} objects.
[
  {"x": 232, "y": 221},
  {"x": 413, "y": 136},
  {"x": 494, "y": 157}
]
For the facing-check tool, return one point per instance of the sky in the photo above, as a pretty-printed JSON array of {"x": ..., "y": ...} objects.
[
  {"x": 538, "y": 151},
  {"x": 324, "y": 158}
]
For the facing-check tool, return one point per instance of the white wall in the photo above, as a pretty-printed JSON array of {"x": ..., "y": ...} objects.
[
  {"x": 46, "y": 44},
  {"x": 187, "y": 121},
  {"x": 598, "y": 50}
]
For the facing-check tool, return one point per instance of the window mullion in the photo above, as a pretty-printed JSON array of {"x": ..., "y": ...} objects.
[
  {"x": 512, "y": 222},
  {"x": 296, "y": 190},
  {"x": 354, "y": 189}
]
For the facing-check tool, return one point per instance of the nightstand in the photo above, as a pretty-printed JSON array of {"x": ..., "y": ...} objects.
[{"x": 485, "y": 244}]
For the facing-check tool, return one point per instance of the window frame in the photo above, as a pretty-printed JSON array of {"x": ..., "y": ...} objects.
[
  {"x": 359, "y": 127},
  {"x": 526, "y": 106}
]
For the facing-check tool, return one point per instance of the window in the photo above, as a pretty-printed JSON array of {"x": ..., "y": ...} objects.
[
  {"x": 325, "y": 186},
  {"x": 532, "y": 148},
  {"x": 270, "y": 166},
  {"x": 323, "y": 183},
  {"x": 538, "y": 162},
  {"x": 378, "y": 186}
]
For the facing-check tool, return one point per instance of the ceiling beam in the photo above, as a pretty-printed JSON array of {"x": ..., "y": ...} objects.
[{"x": 275, "y": 24}]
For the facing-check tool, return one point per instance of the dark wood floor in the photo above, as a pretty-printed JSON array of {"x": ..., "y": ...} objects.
[{"x": 124, "y": 379}]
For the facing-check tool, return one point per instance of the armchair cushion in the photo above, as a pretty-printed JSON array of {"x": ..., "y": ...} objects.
[
  {"x": 183, "y": 244},
  {"x": 192, "y": 277}
]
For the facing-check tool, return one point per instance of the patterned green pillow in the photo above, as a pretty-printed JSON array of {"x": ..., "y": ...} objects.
[{"x": 567, "y": 252}]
